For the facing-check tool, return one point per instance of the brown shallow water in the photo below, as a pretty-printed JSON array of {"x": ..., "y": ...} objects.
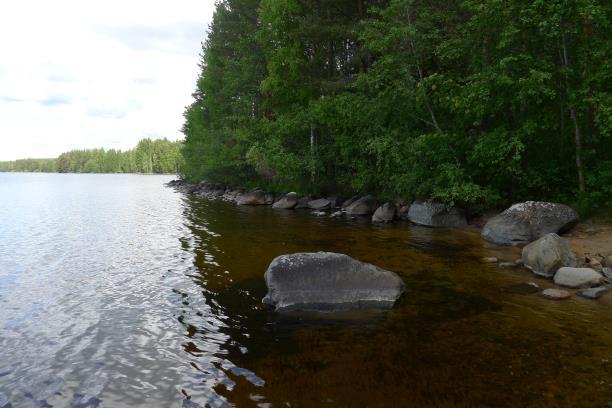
[{"x": 166, "y": 311}]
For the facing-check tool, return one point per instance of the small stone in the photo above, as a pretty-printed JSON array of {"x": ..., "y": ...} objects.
[
  {"x": 577, "y": 277},
  {"x": 336, "y": 214},
  {"x": 556, "y": 294},
  {"x": 507, "y": 265},
  {"x": 319, "y": 213},
  {"x": 607, "y": 273},
  {"x": 519, "y": 262},
  {"x": 595, "y": 264},
  {"x": 489, "y": 259},
  {"x": 593, "y": 293}
]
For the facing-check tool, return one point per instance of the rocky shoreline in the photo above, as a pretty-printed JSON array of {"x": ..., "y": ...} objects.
[{"x": 534, "y": 226}]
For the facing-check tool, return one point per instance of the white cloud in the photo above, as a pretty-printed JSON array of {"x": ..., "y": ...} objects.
[{"x": 84, "y": 74}]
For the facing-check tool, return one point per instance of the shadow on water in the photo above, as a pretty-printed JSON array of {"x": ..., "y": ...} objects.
[{"x": 453, "y": 339}]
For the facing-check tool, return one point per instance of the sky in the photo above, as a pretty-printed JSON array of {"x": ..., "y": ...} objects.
[{"x": 88, "y": 74}]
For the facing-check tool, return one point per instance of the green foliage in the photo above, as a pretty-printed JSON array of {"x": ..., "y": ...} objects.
[
  {"x": 477, "y": 103},
  {"x": 29, "y": 165},
  {"x": 149, "y": 156}
]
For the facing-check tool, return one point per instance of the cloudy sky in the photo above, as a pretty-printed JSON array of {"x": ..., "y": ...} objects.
[{"x": 85, "y": 74}]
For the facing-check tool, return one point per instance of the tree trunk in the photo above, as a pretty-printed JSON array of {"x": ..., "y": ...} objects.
[
  {"x": 574, "y": 116},
  {"x": 312, "y": 154}
]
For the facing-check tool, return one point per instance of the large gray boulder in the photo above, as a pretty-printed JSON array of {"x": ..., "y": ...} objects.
[
  {"x": 327, "y": 281},
  {"x": 528, "y": 221},
  {"x": 385, "y": 213},
  {"x": 256, "y": 197},
  {"x": 287, "y": 202},
  {"x": 363, "y": 206},
  {"x": 319, "y": 204},
  {"x": 434, "y": 214},
  {"x": 578, "y": 277},
  {"x": 546, "y": 255}
]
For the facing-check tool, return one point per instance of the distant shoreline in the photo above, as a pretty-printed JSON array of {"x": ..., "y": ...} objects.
[{"x": 57, "y": 172}]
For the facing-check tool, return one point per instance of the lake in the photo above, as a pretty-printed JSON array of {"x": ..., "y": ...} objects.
[{"x": 116, "y": 291}]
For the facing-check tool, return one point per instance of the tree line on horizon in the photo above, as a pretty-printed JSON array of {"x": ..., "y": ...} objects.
[
  {"x": 160, "y": 156},
  {"x": 477, "y": 103}
]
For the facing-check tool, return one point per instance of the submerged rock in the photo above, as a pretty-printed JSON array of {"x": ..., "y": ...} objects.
[
  {"x": 528, "y": 221},
  {"x": 593, "y": 293},
  {"x": 546, "y": 255},
  {"x": 327, "y": 281},
  {"x": 434, "y": 214},
  {"x": 256, "y": 197},
  {"x": 578, "y": 277},
  {"x": 363, "y": 206},
  {"x": 556, "y": 294},
  {"x": 287, "y": 202},
  {"x": 507, "y": 265},
  {"x": 384, "y": 213},
  {"x": 522, "y": 288}
]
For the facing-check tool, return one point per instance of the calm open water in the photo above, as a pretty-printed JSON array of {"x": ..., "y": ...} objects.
[{"x": 116, "y": 291}]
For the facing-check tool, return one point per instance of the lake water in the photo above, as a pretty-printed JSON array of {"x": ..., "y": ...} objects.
[{"x": 116, "y": 291}]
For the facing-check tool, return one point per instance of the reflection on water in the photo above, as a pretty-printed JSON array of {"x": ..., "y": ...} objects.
[{"x": 116, "y": 291}]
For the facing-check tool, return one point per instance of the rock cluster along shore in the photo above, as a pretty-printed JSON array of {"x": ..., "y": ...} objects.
[
  {"x": 425, "y": 213},
  {"x": 533, "y": 225}
]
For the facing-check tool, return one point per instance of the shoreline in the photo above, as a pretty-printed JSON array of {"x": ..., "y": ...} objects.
[{"x": 589, "y": 241}]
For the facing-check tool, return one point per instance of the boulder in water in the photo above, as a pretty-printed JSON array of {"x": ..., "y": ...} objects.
[
  {"x": 385, "y": 213},
  {"x": 326, "y": 281},
  {"x": 363, "y": 206},
  {"x": 256, "y": 197},
  {"x": 528, "y": 221},
  {"x": 287, "y": 202},
  {"x": 546, "y": 255},
  {"x": 319, "y": 204},
  {"x": 434, "y": 214}
]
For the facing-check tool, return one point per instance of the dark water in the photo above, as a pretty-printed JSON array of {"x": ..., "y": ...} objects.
[{"x": 118, "y": 292}]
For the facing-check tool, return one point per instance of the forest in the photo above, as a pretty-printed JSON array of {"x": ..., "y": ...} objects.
[
  {"x": 149, "y": 156},
  {"x": 476, "y": 103}
]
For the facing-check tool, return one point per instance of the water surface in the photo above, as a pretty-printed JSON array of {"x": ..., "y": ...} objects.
[{"x": 118, "y": 292}]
